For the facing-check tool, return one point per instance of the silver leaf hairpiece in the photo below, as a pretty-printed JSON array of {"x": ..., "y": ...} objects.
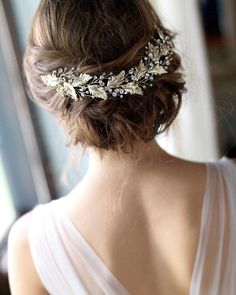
[{"x": 155, "y": 62}]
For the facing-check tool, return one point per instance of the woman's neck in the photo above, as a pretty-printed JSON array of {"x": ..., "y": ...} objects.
[{"x": 144, "y": 157}]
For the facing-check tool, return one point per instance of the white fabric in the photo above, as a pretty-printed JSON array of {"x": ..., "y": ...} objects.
[
  {"x": 68, "y": 265},
  {"x": 198, "y": 113},
  {"x": 215, "y": 266}
]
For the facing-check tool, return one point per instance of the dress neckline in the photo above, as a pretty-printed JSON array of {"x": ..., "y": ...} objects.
[{"x": 105, "y": 268}]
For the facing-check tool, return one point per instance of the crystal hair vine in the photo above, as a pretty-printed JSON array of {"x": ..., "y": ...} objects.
[{"x": 155, "y": 62}]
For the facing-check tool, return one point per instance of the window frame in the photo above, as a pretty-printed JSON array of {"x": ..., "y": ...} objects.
[{"x": 18, "y": 124}]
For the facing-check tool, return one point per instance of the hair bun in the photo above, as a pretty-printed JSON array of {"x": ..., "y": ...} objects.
[{"x": 98, "y": 38}]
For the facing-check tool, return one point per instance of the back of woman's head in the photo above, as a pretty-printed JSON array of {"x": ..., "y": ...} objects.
[{"x": 97, "y": 36}]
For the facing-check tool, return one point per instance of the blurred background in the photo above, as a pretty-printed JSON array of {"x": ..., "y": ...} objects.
[{"x": 35, "y": 164}]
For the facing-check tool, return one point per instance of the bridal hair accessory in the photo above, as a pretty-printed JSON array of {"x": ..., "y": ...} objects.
[{"x": 155, "y": 62}]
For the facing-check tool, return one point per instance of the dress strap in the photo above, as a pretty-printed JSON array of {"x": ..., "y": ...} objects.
[
  {"x": 98, "y": 271},
  {"x": 53, "y": 266},
  {"x": 214, "y": 270}
]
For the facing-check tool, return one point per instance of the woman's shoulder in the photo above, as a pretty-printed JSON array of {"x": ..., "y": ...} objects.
[
  {"x": 221, "y": 162},
  {"x": 18, "y": 232},
  {"x": 23, "y": 277},
  {"x": 18, "y": 236}
]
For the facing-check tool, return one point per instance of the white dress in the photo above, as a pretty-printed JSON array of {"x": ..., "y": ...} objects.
[{"x": 67, "y": 264}]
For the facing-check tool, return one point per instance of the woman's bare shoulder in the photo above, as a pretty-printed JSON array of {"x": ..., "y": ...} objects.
[{"x": 23, "y": 277}]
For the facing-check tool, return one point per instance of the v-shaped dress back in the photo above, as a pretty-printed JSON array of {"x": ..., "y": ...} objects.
[{"x": 67, "y": 264}]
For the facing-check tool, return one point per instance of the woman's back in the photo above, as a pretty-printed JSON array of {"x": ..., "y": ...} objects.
[
  {"x": 149, "y": 238},
  {"x": 140, "y": 233}
]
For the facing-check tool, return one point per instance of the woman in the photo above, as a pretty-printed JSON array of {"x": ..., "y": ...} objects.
[{"x": 141, "y": 221}]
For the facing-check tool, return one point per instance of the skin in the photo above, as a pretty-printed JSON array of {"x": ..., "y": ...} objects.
[
  {"x": 149, "y": 237},
  {"x": 23, "y": 277}
]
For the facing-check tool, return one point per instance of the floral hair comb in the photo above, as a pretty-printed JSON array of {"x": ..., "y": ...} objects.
[{"x": 155, "y": 62}]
